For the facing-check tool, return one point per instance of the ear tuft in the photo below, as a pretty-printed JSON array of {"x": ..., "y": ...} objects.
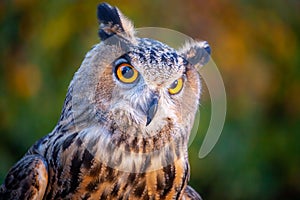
[
  {"x": 112, "y": 22},
  {"x": 196, "y": 53}
]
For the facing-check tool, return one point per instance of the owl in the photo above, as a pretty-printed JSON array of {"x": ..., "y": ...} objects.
[{"x": 125, "y": 124}]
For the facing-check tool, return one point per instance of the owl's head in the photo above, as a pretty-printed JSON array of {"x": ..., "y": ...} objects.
[{"x": 138, "y": 86}]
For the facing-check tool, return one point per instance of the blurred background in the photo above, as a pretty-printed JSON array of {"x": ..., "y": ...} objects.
[{"x": 255, "y": 44}]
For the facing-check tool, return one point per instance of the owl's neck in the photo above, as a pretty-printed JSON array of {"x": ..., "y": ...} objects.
[{"x": 132, "y": 154}]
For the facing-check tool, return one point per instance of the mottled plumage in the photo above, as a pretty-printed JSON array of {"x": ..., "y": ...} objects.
[{"x": 125, "y": 123}]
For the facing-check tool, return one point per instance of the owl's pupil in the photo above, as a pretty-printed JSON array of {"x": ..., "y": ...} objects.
[
  {"x": 174, "y": 84},
  {"x": 127, "y": 72}
]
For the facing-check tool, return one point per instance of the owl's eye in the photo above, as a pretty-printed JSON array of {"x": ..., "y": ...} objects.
[
  {"x": 126, "y": 73},
  {"x": 176, "y": 86}
]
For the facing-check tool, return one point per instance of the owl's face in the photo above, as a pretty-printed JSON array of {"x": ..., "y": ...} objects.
[{"x": 152, "y": 86}]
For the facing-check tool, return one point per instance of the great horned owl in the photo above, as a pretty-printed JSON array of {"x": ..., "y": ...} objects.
[{"x": 124, "y": 129}]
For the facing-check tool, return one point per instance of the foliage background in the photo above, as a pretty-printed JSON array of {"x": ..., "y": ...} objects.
[{"x": 255, "y": 45}]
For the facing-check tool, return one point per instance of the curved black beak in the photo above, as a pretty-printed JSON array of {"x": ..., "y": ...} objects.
[{"x": 152, "y": 108}]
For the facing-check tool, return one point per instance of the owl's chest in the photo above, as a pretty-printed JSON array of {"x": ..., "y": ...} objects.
[
  {"x": 86, "y": 178},
  {"x": 85, "y": 167}
]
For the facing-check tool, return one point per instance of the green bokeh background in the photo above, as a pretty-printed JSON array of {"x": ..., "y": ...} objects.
[{"x": 256, "y": 45}]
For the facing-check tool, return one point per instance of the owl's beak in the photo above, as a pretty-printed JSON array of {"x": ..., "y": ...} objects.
[{"x": 152, "y": 109}]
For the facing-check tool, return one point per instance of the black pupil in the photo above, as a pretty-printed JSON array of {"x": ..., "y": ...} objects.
[
  {"x": 174, "y": 84},
  {"x": 127, "y": 72}
]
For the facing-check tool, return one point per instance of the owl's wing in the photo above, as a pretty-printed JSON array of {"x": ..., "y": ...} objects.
[
  {"x": 27, "y": 179},
  {"x": 191, "y": 194}
]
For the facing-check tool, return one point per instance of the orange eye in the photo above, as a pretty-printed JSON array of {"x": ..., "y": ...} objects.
[
  {"x": 126, "y": 73},
  {"x": 176, "y": 86}
]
